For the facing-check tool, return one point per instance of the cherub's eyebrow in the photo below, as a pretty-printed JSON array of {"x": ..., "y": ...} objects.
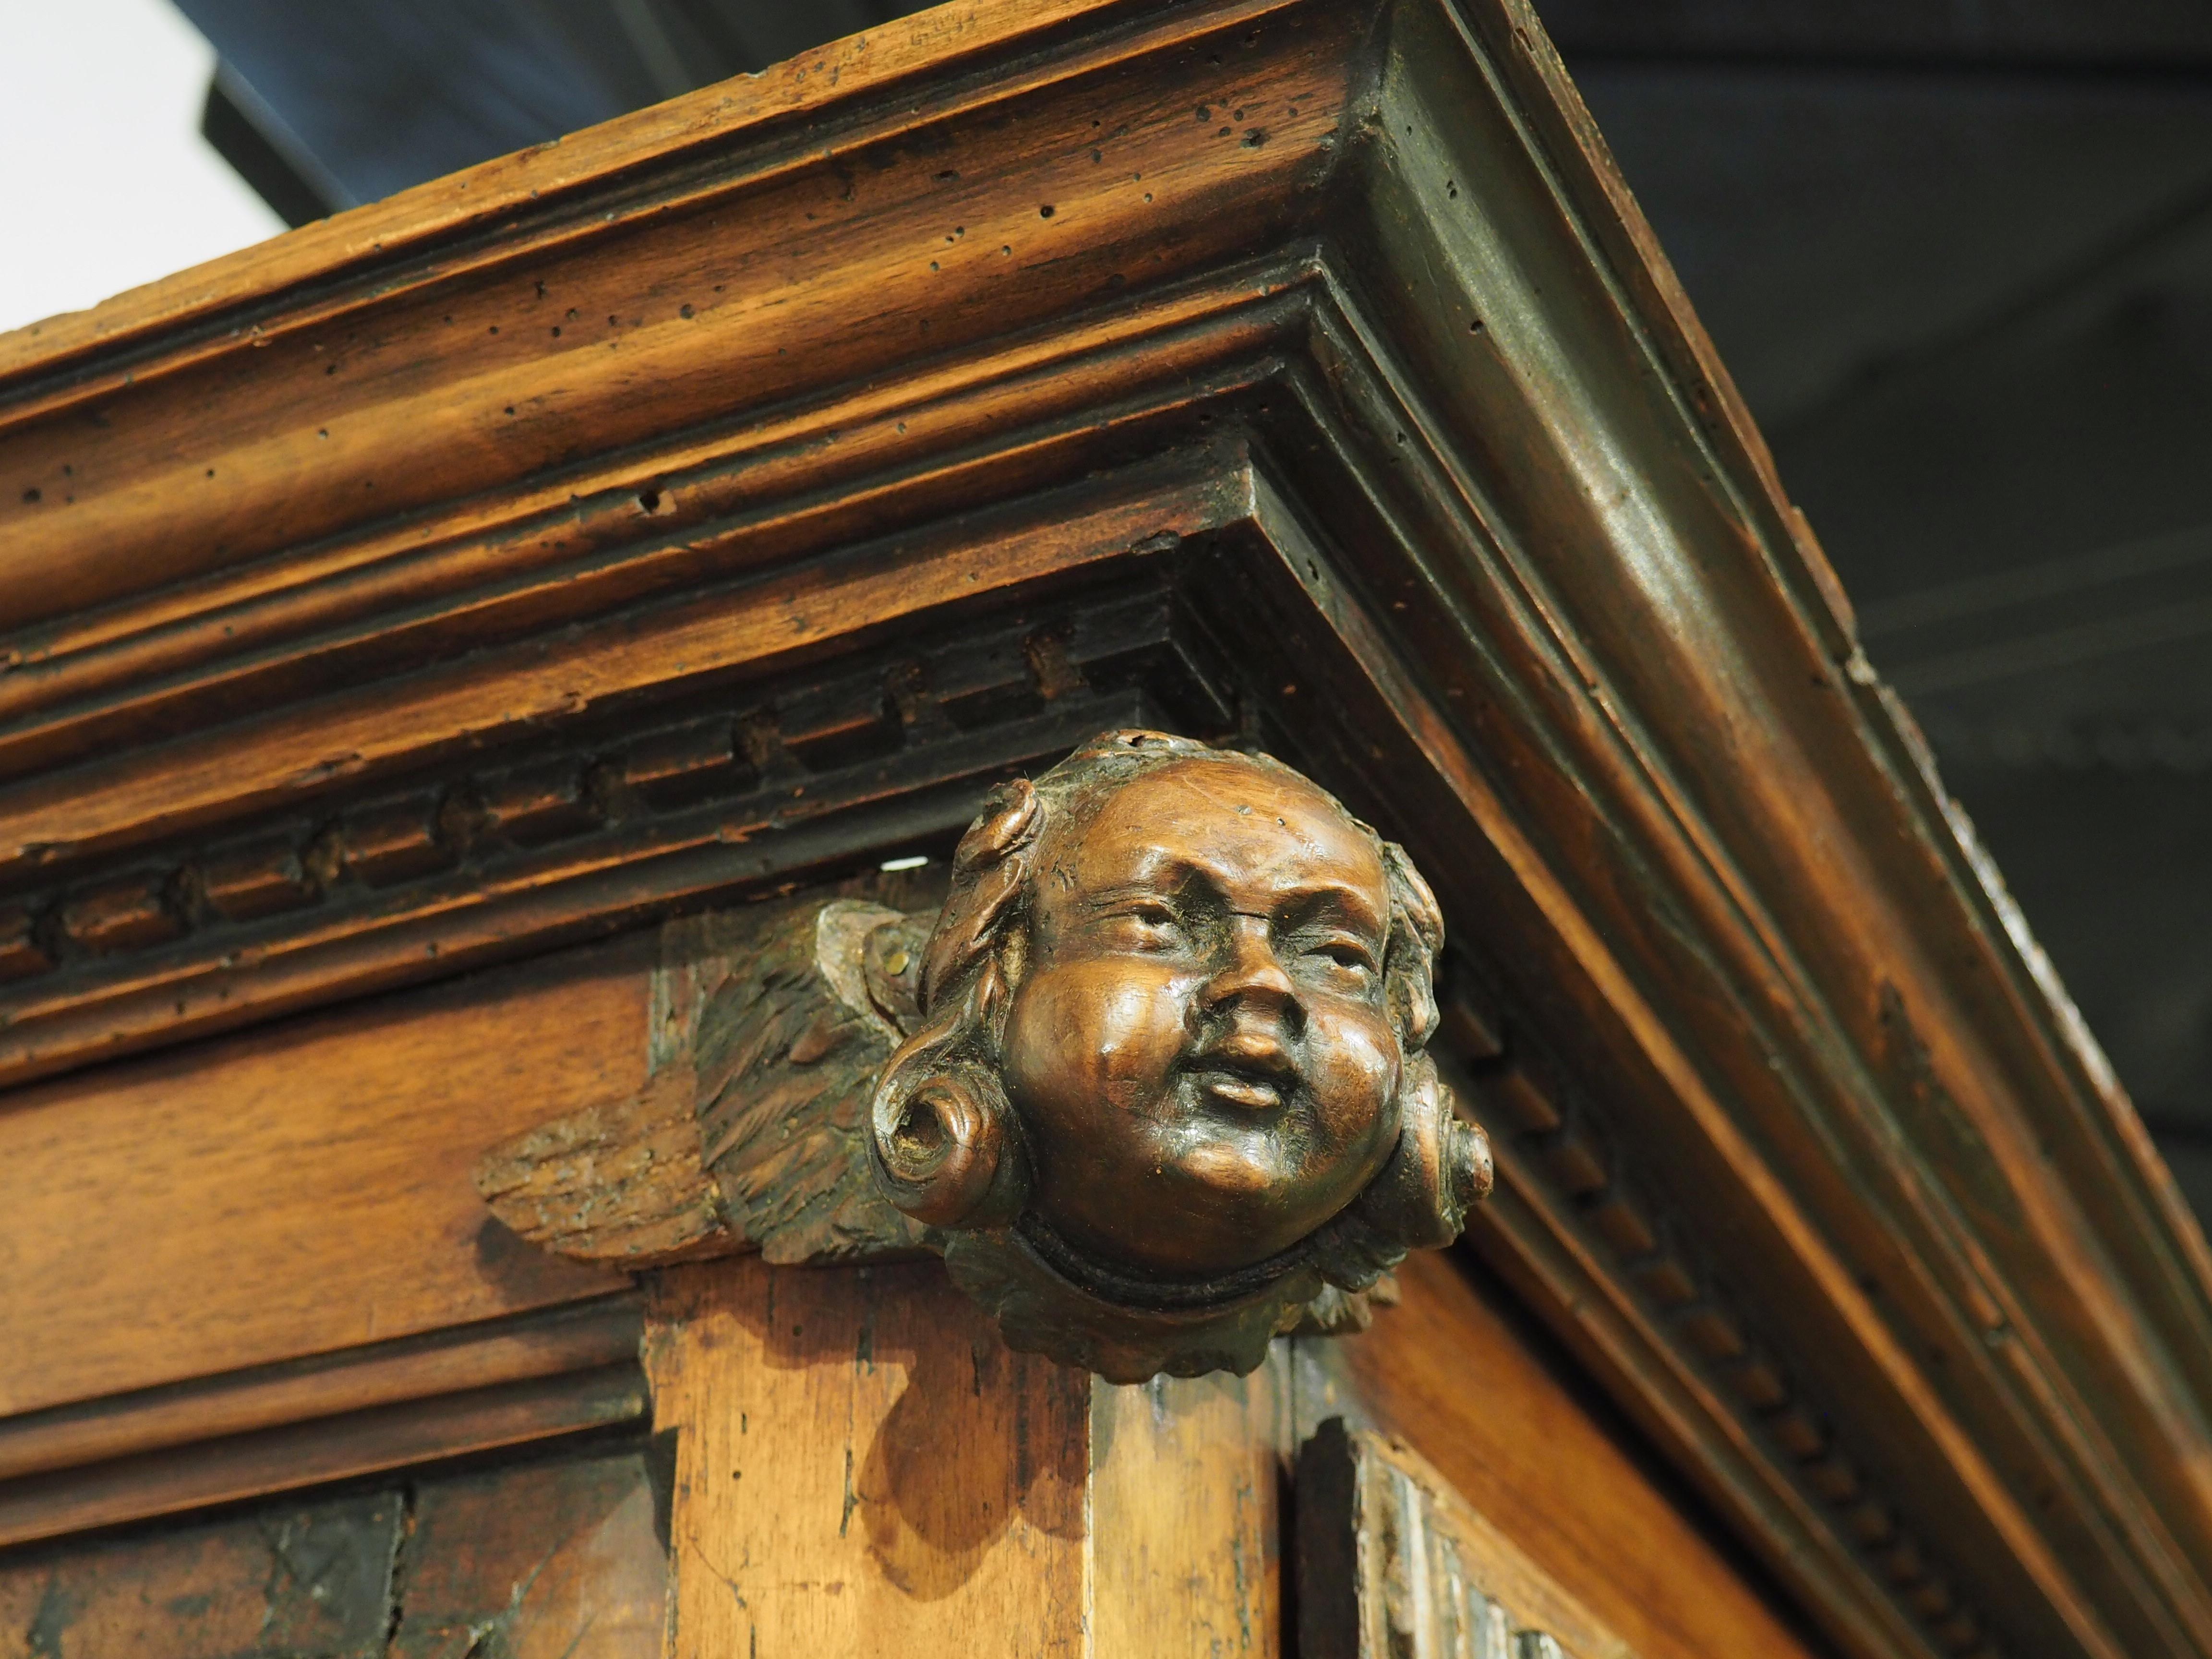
[
  {"x": 1320, "y": 903},
  {"x": 1329, "y": 902},
  {"x": 1128, "y": 890}
]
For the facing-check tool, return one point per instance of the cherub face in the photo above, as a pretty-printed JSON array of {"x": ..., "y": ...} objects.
[{"x": 1198, "y": 1051}]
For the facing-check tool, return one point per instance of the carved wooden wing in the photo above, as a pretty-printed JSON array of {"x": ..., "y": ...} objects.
[{"x": 771, "y": 1026}]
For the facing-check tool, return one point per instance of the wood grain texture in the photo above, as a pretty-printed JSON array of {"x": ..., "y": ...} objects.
[
  {"x": 538, "y": 1561},
  {"x": 861, "y": 1464},
  {"x": 555, "y": 1342},
  {"x": 1397, "y": 397},
  {"x": 1444, "y": 1371},
  {"x": 556, "y": 1560},
  {"x": 260, "y": 1200},
  {"x": 1186, "y": 1518},
  {"x": 1392, "y": 1561}
]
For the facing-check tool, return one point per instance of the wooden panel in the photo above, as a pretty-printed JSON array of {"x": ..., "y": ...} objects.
[
  {"x": 311, "y": 1579},
  {"x": 1392, "y": 1561},
  {"x": 862, "y": 1466},
  {"x": 307, "y": 1190},
  {"x": 1186, "y": 1517},
  {"x": 554, "y": 1344},
  {"x": 553, "y": 1561},
  {"x": 1448, "y": 1372},
  {"x": 549, "y": 1560}
]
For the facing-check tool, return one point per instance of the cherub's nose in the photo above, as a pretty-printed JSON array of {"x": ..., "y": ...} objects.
[{"x": 1249, "y": 972}]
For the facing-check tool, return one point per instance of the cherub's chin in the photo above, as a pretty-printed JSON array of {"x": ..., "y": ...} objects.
[{"x": 1226, "y": 1167}]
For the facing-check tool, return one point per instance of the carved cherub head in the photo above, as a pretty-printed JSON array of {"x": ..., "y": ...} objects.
[{"x": 1169, "y": 1082}]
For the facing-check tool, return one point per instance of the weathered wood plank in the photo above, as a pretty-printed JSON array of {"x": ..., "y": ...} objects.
[
  {"x": 551, "y": 1559},
  {"x": 555, "y": 1561},
  {"x": 863, "y": 1467},
  {"x": 1187, "y": 1517}
]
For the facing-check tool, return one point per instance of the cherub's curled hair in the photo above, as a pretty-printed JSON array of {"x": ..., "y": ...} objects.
[{"x": 941, "y": 1136}]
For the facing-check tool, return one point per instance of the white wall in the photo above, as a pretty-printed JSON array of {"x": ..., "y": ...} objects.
[{"x": 104, "y": 181}]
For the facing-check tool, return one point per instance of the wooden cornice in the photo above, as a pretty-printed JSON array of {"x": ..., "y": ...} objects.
[
  {"x": 1326, "y": 331},
  {"x": 159, "y": 1450}
]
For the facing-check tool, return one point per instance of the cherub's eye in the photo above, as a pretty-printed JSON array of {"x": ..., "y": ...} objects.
[
  {"x": 1347, "y": 957},
  {"x": 1144, "y": 924}
]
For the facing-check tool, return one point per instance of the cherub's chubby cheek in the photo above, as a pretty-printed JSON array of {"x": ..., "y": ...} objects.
[
  {"x": 1088, "y": 1042},
  {"x": 1351, "y": 1072}
]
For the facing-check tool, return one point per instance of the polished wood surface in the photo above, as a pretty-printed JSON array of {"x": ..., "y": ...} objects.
[
  {"x": 1167, "y": 1091},
  {"x": 1447, "y": 1372},
  {"x": 1188, "y": 1526},
  {"x": 308, "y": 1190},
  {"x": 1368, "y": 426}
]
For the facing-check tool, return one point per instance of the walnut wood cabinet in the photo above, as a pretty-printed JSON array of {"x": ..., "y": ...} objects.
[{"x": 418, "y": 629}]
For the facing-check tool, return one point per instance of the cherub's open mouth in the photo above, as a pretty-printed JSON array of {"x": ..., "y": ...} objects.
[
  {"x": 1239, "y": 1090},
  {"x": 1253, "y": 1085}
]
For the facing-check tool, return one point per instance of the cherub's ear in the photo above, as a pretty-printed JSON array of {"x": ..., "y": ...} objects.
[
  {"x": 937, "y": 1124},
  {"x": 938, "y": 1136},
  {"x": 1440, "y": 1169},
  {"x": 1418, "y": 926}
]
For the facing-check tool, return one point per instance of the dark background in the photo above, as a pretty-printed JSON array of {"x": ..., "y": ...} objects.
[{"x": 1958, "y": 254}]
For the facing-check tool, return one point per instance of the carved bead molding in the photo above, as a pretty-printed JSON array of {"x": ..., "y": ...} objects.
[
  {"x": 1153, "y": 1081},
  {"x": 763, "y": 780}
]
